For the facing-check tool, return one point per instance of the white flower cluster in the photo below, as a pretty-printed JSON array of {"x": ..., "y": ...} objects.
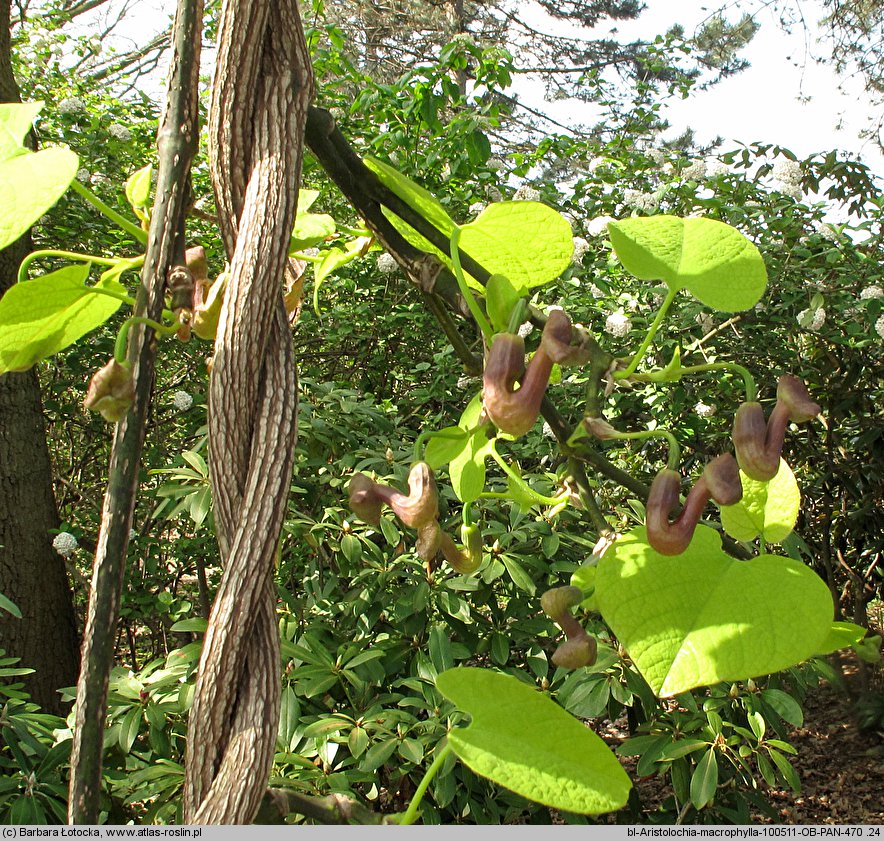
[
  {"x": 879, "y": 326},
  {"x": 526, "y": 329},
  {"x": 581, "y": 246},
  {"x": 120, "y": 132},
  {"x": 387, "y": 263},
  {"x": 476, "y": 208},
  {"x": 658, "y": 156},
  {"x": 639, "y": 200},
  {"x": 71, "y": 105},
  {"x": 466, "y": 382},
  {"x": 618, "y": 324},
  {"x": 64, "y": 543},
  {"x": 788, "y": 176},
  {"x": 870, "y": 292},
  {"x": 548, "y": 431},
  {"x": 598, "y": 226},
  {"x": 495, "y": 164},
  {"x": 493, "y": 193},
  {"x": 812, "y": 322},
  {"x": 694, "y": 171},
  {"x": 83, "y": 175},
  {"x": 182, "y": 401},
  {"x": 595, "y": 291},
  {"x": 715, "y": 167},
  {"x": 463, "y": 38},
  {"x": 526, "y": 193},
  {"x": 825, "y": 231},
  {"x": 705, "y": 410}
]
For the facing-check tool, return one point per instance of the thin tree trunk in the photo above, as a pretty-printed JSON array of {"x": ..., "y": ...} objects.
[{"x": 32, "y": 574}]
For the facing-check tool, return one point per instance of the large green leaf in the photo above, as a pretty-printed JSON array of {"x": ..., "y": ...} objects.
[
  {"x": 16, "y": 119},
  {"x": 714, "y": 261},
  {"x": 702, "y": 617},
  {"x": 41, "y": 317},
  {"x": 30, "y": 182},
  {"x": 523, "y": 740},
  {"x": 526, "y": 241},
  {"x": 767, "y": 508}
]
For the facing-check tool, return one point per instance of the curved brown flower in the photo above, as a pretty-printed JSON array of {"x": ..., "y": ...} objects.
[
  {"x": 720, "y": 481},
  {"x": 580, "y": 649},
  {"x": 515, "y": 410},
  {"x": 758, "y": 445}
]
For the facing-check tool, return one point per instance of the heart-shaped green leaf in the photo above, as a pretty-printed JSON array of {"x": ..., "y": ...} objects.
[
  {"x": 16, "y": 119},
  {"x": 528, "y": 242},
  {"x": 767, "y": 508},
  {"x": 41, "y": 317},
  {"x": 526, "y": 742},
  {"x": 500, "y": 298},
  {"x": 702, "y": 617},
  {"x": 448, "y": 444},
  {"x": 467, "y": 468},
  {"x": 712, "y": 260},
  {"x": 30, "y": 184}
]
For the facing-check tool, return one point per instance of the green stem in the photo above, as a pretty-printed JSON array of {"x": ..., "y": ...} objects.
[
  {"x": 465, "y": 290},
  {"x": 674, "y": 449},
  {"x": 411, "y": 814},
  {"x": 110, "y": 293},
  {"x": 748, "y": 379},
  {"x": 639, "y": 354},
  {"x": 68, "y": 255},
  {"x": 307, "y": 258},
  {"x": 123, "y": 335},
  {"x": 128, "y": 226},
  {"x": 517, "y": 480}
]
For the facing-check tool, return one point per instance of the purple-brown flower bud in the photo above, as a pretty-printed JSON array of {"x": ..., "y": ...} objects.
[
  {"x": 111, "y": 391},
  {"x": 429, "y": 540},
  {"x": 793, "y": 394},
  {"x": 600, "y": 428}
]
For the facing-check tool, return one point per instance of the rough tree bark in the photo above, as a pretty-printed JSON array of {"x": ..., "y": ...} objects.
[
  {"x": 32, "y": 574},
  {"x": 263, "y": 85}
]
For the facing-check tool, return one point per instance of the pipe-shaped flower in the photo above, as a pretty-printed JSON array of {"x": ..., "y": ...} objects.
[
  {"x": 515, "y": 410},
  {"x": 580, "y": 649},
  {"x": 419, "y": 509},
  {"x": 111, "y": 391},
  {"x": 468, "y": 559},
  {"x": 758, "y": 445},
  {"x": 720, "y": 481}
]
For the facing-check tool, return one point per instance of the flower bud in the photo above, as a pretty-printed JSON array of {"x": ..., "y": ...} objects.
[
  {"x": 576, "y": 653},
  {"x": 429, "y": 540},
  {"x": 421, "y": 506},
  {"x": 207, "y": 300},
  {"x": 793, "y": 394},
  {"x": 111, "y": 391},
  {"x": 600, "y": 428}
]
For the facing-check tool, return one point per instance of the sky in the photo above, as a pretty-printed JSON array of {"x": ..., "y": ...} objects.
[{"x": 784, "y": 97}]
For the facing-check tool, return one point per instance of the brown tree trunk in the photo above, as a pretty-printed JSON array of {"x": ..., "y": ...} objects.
[{"x": 32, "y": 574}]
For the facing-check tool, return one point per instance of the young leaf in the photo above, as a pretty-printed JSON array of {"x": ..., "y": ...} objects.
[
  {"x": 715, "y": 618},
  {"x": 138, "y": 189},
  {"x": 500, "y": 298},
  {"x": 467, "y": 469},
  {"x": 43, "y": 316},
  {"x": 524, "y": 741},
  {"x": 449, "y": 444},
  {"x": 16, "y": 120},
  {"x": 767, "y": 508},
  {"x": 842, "y": 635},
  {"x": 712, "y": 260}
]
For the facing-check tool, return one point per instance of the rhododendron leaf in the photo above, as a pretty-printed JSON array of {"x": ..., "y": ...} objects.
[
  {"x": 710, "y": 259},
  {"x": 523, "y": 740},
  {"x": 702, "y": 617},
  {"x": 767, "y": 508}
]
